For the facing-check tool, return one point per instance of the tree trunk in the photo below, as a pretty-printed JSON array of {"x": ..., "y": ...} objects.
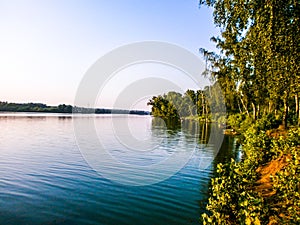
[
  {"x": 270, "y": 106},
  {"x": 285, "y": 113},
  {"x": 203, "y": 106},
  {"x": 254, "y": 111},
  {"x": 206, "y": 116},
  {"x": 244, "y": 106},
  {"x": 240, "y": 110},
  {"x": 297, "y": 107}
]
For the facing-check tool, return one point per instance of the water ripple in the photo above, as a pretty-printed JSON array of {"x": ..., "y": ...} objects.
[{"x": 45, "y": 180}]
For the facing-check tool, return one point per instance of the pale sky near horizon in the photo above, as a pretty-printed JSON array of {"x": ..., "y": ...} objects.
[{"x": 47, "y": 46}]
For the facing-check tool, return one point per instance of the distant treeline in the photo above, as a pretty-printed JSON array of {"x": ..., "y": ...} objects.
[
  {"x": 40, "y": 107},
  {"x": 200, "y": 103}
]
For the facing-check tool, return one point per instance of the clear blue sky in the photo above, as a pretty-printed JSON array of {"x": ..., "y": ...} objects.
[{"x": 47, "y": 46}]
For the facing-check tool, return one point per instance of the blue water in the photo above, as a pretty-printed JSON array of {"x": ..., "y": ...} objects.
[{"x": 44, "y": 178}]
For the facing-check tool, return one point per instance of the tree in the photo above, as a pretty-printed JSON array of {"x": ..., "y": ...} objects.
[
  {"x": 259, "y": 56},
  {"x": 161, "y": 107}
]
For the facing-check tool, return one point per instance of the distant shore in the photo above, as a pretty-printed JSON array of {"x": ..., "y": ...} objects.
[{"x": 63, "y": 108}]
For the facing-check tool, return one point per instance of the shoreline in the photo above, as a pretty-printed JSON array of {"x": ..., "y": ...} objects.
[{"x": 261, "y": 189}]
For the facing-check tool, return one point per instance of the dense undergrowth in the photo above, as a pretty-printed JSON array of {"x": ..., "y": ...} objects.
[{"x": 236, "y": 196}]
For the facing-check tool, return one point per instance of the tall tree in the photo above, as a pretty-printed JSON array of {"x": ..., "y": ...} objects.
[{"x": 260, "y": 48}]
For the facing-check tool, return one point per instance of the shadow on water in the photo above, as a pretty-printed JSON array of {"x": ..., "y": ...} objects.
[
  {"x": 187, "y": 127},
  {"x": 230, "y": 149},
  {"x": 172, "y": 126}
]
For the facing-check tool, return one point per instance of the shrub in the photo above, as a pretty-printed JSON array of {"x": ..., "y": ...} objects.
[
  {"x": 233, "y": 199},
  {"x": 235, "y": 120}
]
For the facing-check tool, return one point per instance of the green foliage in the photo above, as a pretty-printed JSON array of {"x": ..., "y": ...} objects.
[
  {"x": 232, "y": 202},
  {"x": 162, "y": 107},
  {"x": 28, "y": 107},
  {"x": 267, "y": 122},
  {"x": 241, "y": 122},
  {"x": 233, "y": 197},
  {"x": 221, "y": 119},
  {"x": 62, "y": 108},
  {"x": 34, "y": 107},
  {"x": 206, "y": 105},
  {"x": 258, "y": 72},
  {"x": 287, "y": 186},
  {"x": 174, "y": 105},
  {"x": 235, "y": 120},
  {"x": 258, "y": 76}
]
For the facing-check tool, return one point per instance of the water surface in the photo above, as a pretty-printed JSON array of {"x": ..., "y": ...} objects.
[{"x": 44, "y": 178}]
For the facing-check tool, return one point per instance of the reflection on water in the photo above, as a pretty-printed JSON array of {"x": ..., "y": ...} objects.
[
  {"x": 172, "y": 126},
  {"x": 45, "y": 180},
  {"x": 187, "y": 127}
]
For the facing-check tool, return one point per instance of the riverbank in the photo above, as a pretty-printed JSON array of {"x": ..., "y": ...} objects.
[
  {"x": 62, "y": 108},
  {"x": 264, "y": 187}
]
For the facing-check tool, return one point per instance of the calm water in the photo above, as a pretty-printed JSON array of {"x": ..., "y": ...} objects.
[{"x": 44, "y": 178}]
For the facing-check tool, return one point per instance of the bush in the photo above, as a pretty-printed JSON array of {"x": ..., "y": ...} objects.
[
  {"x": 267, "y": 122},
  {"x": 235, "y": 120},
  {"x": 222, "y": 120},
  {"x": 233, "y": 199}
]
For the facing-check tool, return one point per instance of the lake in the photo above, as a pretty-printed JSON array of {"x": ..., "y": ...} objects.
[{"x": 51, "y": 171}]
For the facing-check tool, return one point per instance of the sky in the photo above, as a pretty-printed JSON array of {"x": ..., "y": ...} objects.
[{"x": 47, "y": 46}]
